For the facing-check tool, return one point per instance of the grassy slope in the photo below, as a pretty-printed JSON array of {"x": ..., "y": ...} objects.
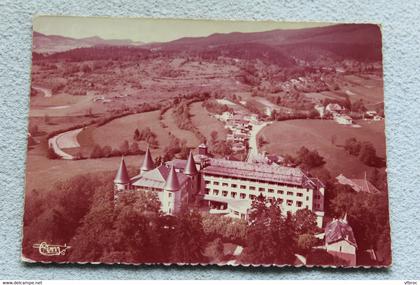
[
  {"x": 42, "y": 173},
  {"x": 202, "y": 119},
  {"x": 370, "y": 90},
  {"x": 118, "y": 130},
  {"x": 168, "y": 120},
  {"x": 288, "y": 136}
]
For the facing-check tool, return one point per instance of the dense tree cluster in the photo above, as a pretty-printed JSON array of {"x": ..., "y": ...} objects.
[
  {"x": 216, "y": 108},
  {"x": 273, "y": 238},
  {"x": 358, "y": 106},
  {"x": 365, "y": 151},
  {"x": 220, "y": 147},
  {"x": 228, "y": 229},
  {"x": 368, "y": 215},
  {"x": 175, "y": 148},
  {"x": 181, "y": 115},
  {"x": 81, "y": 213},
  {"x": 293, "y": 115},
  {"x": 106, "y": 151},
  {"x": 146, "y": 135},
  {"x": 305, "y": 158}
]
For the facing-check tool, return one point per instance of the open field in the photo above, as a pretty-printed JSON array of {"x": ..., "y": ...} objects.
[
  {"x": 287, "y": 137},
  {"x": 70, "y": 88},
  {"x": 168, "y": 120},
  {"x": 206, "y": 123},
  {"x": 52, "y": 124},
  {"x": 265, "y": 105},
  {"x": 42, "y": 173},
  {"x": 357, "y": 87},
  {"x": 116, "y": 131},
  {"x": 60, "y": 105},
  {"x": 319, "y": 96}
]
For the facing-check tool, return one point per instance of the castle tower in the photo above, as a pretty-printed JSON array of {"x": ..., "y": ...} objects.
[
  {"x": 192, "y": 172},
  {"x": 121, "y": 180},
  {"x": 171, "y": 202},
  {"x": 190, "y": 168},
  {"x": 147, "y": 162}
]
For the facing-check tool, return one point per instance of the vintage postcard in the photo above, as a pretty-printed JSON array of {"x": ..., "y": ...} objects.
[{"x": 163, "y": 141}]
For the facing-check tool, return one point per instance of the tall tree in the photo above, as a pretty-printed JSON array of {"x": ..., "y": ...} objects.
[
  {"x": 189, "y": 238},
  {"x": 305, "y": 222},
  {"x": 270, "y": 238}
]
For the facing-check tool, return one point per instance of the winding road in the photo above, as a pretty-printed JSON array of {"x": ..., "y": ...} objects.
[
  {"x": 253, "y": 145},
  {"x": 47, "y": 92},
  {"x": 65, "y": 140}
]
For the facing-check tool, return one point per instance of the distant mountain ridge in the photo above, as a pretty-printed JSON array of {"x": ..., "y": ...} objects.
[
  {"x": 52, "y": 43},
  {"x": 356, "y": 41},
  {"x": 282, "y": 47}
]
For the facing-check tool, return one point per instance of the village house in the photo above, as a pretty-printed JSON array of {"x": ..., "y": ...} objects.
[
  {"x": 339, "y": 244},
  {"x": 225, "y": 186},
  {"x": 370, "y": 114},
  {"x": 334, "y": 108},
  {"x": 321, "y": 110},
  {"x": 342, "y": 119},
  {"x": 358, "y": 185}
]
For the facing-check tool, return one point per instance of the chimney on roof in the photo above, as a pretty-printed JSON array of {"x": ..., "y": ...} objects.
[
  {"x": 172, "y": 182},
  {"x": 147, "y": 162},
  {"x": 202, "y": 149}
]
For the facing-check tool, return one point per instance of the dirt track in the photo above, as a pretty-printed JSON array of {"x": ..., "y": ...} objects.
[{"x": 65, "y": 140}]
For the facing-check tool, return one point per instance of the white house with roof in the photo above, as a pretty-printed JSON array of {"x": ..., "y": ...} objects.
[
  {"x": 358, "y": 185},
  {"x": 334, "y": 108},
  {"x": 340, "y": 242},
  {"x": 342, "y": 119}
]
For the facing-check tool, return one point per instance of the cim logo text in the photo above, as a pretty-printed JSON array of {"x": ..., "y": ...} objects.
[{"x": 51, "y": 250}]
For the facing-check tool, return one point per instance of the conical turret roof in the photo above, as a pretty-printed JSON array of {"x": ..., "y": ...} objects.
[
  {"x": 147, "y": 162},
  {"x": 190, "y": 168},
  {"x": 122, "y": 174},
  {"x": 172, "y": 182}
]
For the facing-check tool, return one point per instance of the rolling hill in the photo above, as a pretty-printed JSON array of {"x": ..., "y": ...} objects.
[
  {"x": 352, "y": 41},
  {"x": 360, "y": 42},
  {"x": 53, "y": 43}
]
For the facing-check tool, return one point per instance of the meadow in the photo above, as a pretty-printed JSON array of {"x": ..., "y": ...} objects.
[
  {"x": 206, "y": 123},
  {"x": 43, "y": 173},
  {"x": 286, "y": 137},
  {"x": 118, "y": 130},
  {"x": 189, "y": 136}
]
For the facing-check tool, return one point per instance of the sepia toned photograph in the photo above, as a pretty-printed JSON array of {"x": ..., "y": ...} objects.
[{"x": 170, "y": 141}]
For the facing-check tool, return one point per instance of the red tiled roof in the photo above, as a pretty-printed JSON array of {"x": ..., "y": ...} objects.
[
  {"x": 339, "y": 230},
  {"x": 270, "y": 173}
]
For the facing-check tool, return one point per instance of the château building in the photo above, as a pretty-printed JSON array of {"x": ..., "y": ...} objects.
[{"x": 225, "y": 186}]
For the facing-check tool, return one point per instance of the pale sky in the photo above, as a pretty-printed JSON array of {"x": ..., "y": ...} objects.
[{"x": 152, "y": 30}]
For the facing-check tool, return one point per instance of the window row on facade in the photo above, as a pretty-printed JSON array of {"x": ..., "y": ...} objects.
[
  {"x": 294, "y": 181},
  {"x": 243, "y": 196},
  {"x": 278, "y": 192}
]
